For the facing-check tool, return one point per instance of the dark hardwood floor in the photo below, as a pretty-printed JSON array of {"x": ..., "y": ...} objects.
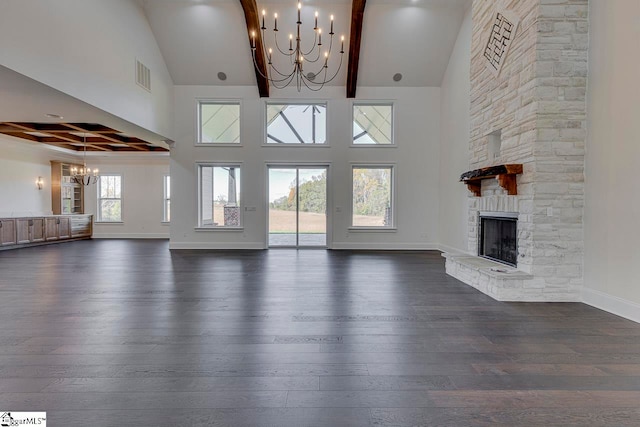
[{"x": 125, "y": 332}]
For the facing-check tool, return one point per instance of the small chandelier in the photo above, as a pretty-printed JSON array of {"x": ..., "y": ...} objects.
[
  {"x": 298, "y": 58},
  {"x": 84, "y": 175}
]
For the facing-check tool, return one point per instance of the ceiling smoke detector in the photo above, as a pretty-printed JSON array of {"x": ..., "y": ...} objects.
[
  {"x": 311, "y": 76},
  {"x": 222, "y": 76},
  {"x": 54, "y": 116},
  {"x": 397, "y": 77}
]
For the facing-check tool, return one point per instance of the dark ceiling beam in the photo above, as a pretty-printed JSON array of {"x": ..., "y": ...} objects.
[
  {"x": 252, "y": 18},
  {"x": 18, "y": 134},
  {"x": 105, "y": 136},
  {"x": 357, "y": 18}
]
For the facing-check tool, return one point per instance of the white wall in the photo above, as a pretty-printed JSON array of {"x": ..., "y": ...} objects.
[
  {"x": 142, "y": 196},
  {"x": 612, "y": 206},
  {"x": 454, "y": 142},
  {"x": 417, "y": 114},
  {"x": 21, "y": 163},
  {"x": 89, "y": 48}
]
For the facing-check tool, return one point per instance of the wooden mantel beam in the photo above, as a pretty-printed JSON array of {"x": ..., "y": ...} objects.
[
  {"x": 505, "y": 174},
  {"x": 252, "y": 19},
  {"x": 357, "y": 18}
]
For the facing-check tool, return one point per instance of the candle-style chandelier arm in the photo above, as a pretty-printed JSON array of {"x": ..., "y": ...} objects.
[
  {"x": 271, "y": 79},
  {"x": 319, "y": 85},
  {"x": 278, "y": 86},
  {"x": 315, "y": 43},
  {"x": 275, "y": 38}
]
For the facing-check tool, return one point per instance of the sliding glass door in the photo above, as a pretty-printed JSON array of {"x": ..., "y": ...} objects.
[{"x": 297, "y": 206}]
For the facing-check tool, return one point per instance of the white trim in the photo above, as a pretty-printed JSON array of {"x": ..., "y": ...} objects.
[
  {"x": 215, "y": 164},
  {"x": 394, "y": 204},
  {"x": 164, "y": 198},
  {"x": 219, "y": 246},
  {"x": 385, "y": 246},
  {"x": 612, "y": 304},
  {"x": 368, "y": 103},
  {"x": 218, "y": 228},
  {"x": 329, "y": 199},
  {"x": 381, "y": 229},
  {"x": 273, "y": 101},
  {"x": 130, "y": 235},
  {"x": 198, "y": 140},
  {"x": 98, "y": 198}
]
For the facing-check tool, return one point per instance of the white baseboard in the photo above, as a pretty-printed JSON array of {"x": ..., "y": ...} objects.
[
  {"x": 216, "y": 246},
  {"x": 385, "y": 246},
  {"x": 130, "y": 235},
  {"x": 615, "y": 305}
]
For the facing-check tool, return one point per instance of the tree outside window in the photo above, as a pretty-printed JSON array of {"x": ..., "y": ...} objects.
[
  {"x": 110, "y": 198},
  {"x": 372, "y": 198}
]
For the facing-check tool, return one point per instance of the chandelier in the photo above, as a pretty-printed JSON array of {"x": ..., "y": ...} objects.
[
  {"x": 84, "y": 175},
  {"x": 306, "y": 67}
]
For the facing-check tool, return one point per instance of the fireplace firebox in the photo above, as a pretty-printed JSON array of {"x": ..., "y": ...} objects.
[{"x": 498, "y": 237}]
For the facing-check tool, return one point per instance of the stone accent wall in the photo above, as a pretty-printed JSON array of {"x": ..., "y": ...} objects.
[{"x": 538, "y": 103}]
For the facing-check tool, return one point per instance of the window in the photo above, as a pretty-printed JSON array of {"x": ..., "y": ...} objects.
[
  {"x": 219, "y": 195},
  {"x": 372, "y": 188},
  {"x": 373, "y": 124},
  {"x": 296, "y": 124},
  {"x": 109, "y": 198},
  {"x": 218, "y": 122},
  {"x": 167, "y": 199}
]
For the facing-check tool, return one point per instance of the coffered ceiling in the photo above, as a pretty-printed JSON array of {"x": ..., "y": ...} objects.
[{"x": 75, "y": 136}]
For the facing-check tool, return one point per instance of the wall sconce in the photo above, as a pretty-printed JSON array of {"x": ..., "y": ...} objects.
[{"x": 39, "y": 183}]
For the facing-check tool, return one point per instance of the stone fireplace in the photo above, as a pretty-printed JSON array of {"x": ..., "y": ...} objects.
[{"x": 528, "y": 107}]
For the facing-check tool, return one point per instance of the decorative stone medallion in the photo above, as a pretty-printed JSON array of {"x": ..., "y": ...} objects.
[{"x": 502, "y": 34}]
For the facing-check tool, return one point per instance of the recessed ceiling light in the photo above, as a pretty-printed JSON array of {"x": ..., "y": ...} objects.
[
  {"x": 222, "y": 76},
  {"x": 397, "y": 77},
  {"x": 54, "y": 116}
]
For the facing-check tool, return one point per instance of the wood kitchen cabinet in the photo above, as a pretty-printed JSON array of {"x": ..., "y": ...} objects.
[
  {"x": 8, "y": 232},
  {"x": 20, "y": 232}
]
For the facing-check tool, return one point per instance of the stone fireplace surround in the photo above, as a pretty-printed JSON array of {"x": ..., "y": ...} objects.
[{"x": 537, "y": 104}]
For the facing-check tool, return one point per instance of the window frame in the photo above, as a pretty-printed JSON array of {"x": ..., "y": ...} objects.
[
  {"x": 209, "y": 101},
  {"x": 99, "y": 219},
  {"x": 166, "y": 208},
  {"x": 389, "y": 103},
  {"x": 383, "y": 228},
  {"x": 270, "y": 101},
  {"x": 199, "y": 226}
]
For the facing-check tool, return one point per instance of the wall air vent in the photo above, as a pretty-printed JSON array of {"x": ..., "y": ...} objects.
[{"x": 143, "y": 75}]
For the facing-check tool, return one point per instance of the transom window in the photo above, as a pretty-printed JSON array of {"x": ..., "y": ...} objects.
[
  {"x": 372, "y": 197},
  {"x": 296, "y": 124},
  {"x": 110, "y": 198},
  {"x": 219, "y": 195},
  {"x": 373, "y": 124},
  {"x": 218, "y": 122}
]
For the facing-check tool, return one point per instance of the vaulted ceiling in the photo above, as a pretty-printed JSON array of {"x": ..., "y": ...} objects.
[{"x": 201, "y": 38}]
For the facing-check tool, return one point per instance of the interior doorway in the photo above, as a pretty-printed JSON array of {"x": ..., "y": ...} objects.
[{"x": 297, "y": 206}]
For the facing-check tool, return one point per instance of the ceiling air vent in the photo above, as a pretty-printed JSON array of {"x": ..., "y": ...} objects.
[{"x": 143, "y": 75}]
